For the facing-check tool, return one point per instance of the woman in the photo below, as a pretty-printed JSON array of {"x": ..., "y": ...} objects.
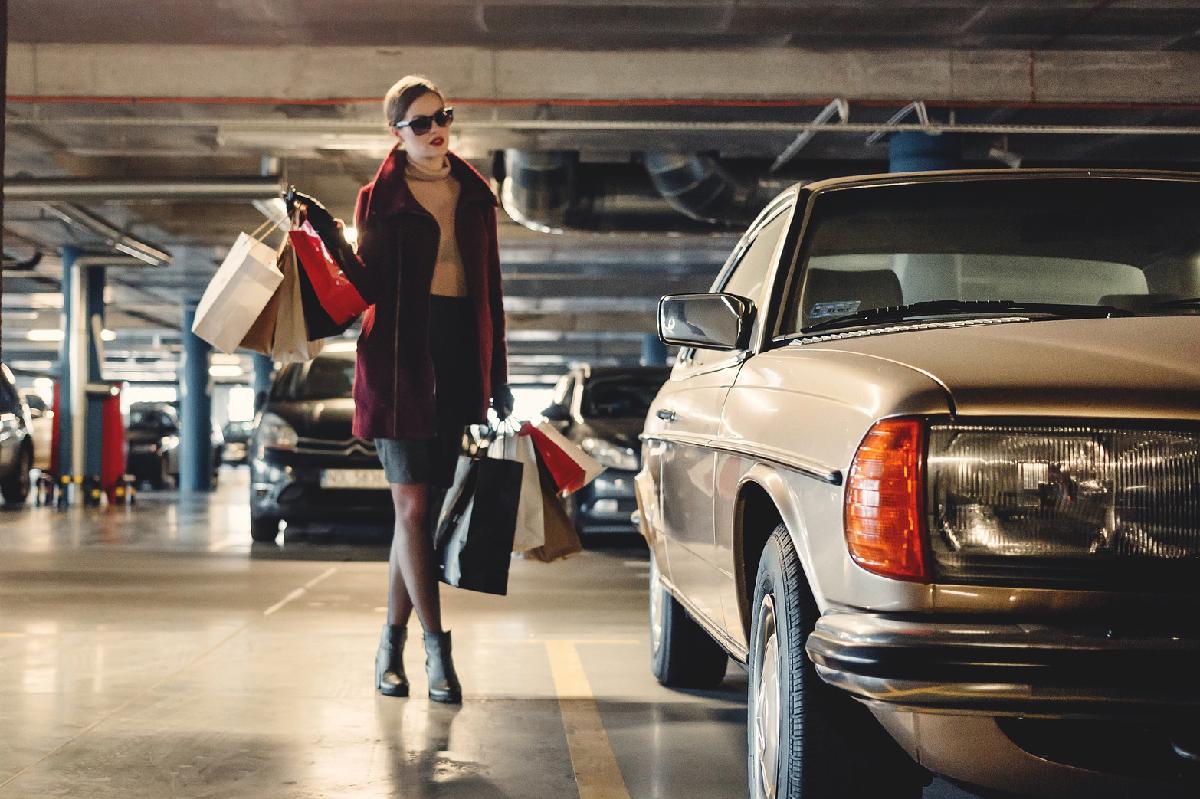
[{"x": 431, "y": 352}]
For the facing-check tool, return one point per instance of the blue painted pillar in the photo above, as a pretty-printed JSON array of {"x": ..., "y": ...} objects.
[
  {"x": 69, "y": 390},
  {"x": 654, "y": 352},
  {"x": 264, "y": 366},
  {"x": 195, "y": 393},
  {"x": 913, "y": 151},
  {"x": 93, "y": 306}
]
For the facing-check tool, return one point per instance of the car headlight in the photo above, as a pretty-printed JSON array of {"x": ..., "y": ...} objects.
[
  {"x": 1059, "y": 501},
  {"x": 611, "y": 455},
  {"x": 274, "y": 433}
]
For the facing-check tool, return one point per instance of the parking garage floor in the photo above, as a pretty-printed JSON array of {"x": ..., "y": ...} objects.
[{"x": 153, "y": 651}]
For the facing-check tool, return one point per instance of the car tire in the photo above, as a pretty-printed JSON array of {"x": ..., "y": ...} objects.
[
  {"x": 682, "y": 654},
  {"x": 264, "y": 529},
  {"x": 17, "y": 486},
  {"x": 806, "y": 738}
]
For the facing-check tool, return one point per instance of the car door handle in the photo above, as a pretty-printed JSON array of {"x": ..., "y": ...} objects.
[{"x": 666, "y": 416}]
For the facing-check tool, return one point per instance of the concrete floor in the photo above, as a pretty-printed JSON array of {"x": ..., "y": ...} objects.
[{"x": 154, "y": 652}]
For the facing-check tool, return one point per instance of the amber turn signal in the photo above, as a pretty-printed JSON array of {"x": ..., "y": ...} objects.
[{"x": 884, "y": 500}]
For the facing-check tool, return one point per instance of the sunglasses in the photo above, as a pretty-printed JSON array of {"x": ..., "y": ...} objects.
[{"x": 423, "y": 124}]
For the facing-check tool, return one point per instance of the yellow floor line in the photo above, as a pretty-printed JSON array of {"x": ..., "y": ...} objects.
[{"x": 596, "y": 771}]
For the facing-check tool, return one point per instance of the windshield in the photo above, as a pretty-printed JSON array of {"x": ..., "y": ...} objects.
[
  {"x": 327, "y": 378},
  {"x": 620, "y": 396},
  {"x": 1128, "y": 244}
]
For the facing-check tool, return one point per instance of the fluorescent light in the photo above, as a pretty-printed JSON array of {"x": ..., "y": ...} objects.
[
  {"x": 225, "y": 370},
  {"x": 350, "y": 234},
  {"x": 107, "y": 335},
  {"x": 44, "y": 334}
]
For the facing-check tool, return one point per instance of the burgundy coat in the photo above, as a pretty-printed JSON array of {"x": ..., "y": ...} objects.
[{"x": 398, "y": 244}]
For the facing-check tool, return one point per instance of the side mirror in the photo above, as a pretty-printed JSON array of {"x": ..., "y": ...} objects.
[{"x": 707, "y": 321}]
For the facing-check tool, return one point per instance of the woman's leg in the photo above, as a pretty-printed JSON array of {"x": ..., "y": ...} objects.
[{"x": 411, "y": 581}]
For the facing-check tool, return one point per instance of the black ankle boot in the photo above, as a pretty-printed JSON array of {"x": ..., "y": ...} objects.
[
  {"x": 390, "y": 679},
  {"x": 443, "y": 682}
]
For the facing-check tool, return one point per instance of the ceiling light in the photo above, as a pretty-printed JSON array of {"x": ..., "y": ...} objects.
[
  {"x": 225, "y": 370},
  {"x": 44, "y": 334},
  {"x": 108, "y": 335},
  {"x": 350, "y": 234}
]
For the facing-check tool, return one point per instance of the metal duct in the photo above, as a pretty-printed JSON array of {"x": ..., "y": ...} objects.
[
  {"x": 553, "y": 191},
  {"x": 698, "y": 187}
]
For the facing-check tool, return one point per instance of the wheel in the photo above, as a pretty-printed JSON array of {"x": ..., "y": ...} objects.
[
  {"x": 682, "y": 654},
  {"x": 264, "y": 528},
  {"x": 16, "y": 488},
  {"x": 806, "y": 738}
]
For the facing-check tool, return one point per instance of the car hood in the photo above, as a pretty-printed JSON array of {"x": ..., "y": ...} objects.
[
  {"x": 326, "y": 419},
  {"x": 623, "y": 432},
  {"x": 1134, "y": 367}
]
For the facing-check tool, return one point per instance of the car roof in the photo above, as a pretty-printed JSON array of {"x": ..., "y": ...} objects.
[{"x": 985, "y": 175}]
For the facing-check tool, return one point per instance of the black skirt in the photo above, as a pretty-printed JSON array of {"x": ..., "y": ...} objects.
[{"x": 453, "y": 345}]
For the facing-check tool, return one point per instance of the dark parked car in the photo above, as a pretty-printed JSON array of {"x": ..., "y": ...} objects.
[
  {"x": 237, "y": 437},
  {"x": 16, "y": 441},
  {"x": 304, "y": 462},
  {"x": 152, "y": 444},
  {"x": 603, "y": 409}
]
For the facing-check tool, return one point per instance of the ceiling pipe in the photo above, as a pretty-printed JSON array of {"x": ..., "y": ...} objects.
[
  {"x": 28, "y": 265},
  {"x": 114, "y": 237},
  {"x": 238, "y": 189}
]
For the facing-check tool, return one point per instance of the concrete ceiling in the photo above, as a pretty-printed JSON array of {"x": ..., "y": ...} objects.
[{"x": 175, "y": 89}]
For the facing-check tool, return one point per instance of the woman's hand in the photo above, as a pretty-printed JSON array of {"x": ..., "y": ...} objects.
[{"x": 502, "y": 401}]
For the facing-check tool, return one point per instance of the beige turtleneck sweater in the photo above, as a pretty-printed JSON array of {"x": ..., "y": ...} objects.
[{"x": 437, "y": 192}]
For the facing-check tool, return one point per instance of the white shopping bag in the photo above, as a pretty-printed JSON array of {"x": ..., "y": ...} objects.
[
  {"x": 237, "y": 294},
  {"x": 531, "y": 530}
]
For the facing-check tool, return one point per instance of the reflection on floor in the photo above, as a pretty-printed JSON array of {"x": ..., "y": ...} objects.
[{"x": 153, "y": 651}]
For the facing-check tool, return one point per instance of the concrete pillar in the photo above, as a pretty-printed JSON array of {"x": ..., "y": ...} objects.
[
  {"x": 264, "y": 367},
  {"x": 195, "y": 393},
  {"x": 93, "y": 306},
  {"x": 654, "y": 352}
]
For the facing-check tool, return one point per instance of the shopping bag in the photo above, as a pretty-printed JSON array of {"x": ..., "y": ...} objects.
[
  {"x": 512, "y": 445},
  {"x": 561, "y": 537},
  {"x": 238, "y": 292},
  {"x": 473, "y": 544},
  {"x": 569, "y": 465},
  {"x": 291, "y": 342},
  {"x": 331, "y": 302},
  {"x": 261, "y": 334}
]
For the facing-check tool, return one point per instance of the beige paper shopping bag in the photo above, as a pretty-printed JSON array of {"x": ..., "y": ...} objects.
[{"x": 238, "y": 293}]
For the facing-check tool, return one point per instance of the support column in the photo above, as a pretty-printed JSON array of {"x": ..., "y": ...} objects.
[
  {"x": 72, "y": 380},
  {"x": 264, "y": 367},
  {"x": 93, "y": 279},
  {"x": 654, "y": 352},
  {"x": 195, "y": 392}
]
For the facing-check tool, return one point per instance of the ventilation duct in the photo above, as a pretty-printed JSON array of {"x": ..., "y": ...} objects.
[
  {"x": 554, "y": 191},
  {"x": 698, "y": 187}
]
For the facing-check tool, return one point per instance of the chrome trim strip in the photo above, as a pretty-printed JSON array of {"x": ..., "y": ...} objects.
[
  {"x": 761, "y": 452},
  {"x": 818, "y": 338},
  {"x": 735, "y": 650}
]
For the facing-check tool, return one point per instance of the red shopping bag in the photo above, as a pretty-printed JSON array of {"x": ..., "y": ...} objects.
[
  {"x": 331, "y": 303},
  {"x": 568, "y": 464}
]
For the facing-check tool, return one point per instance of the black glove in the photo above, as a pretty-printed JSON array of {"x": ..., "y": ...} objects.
[
  {"x": 319, "y": 217},
  {"x": 502, "y": 401}
]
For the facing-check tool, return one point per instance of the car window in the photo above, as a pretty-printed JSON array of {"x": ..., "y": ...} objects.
[
  {"x": 8, "y": 397},
  {"x": 284, "y": 386},
  {"x": 624, "y": 396},
  {"x": 151, "y": 419},
  {"x": 327, "y": 378},
  {"x": 1129, "y": 244}
]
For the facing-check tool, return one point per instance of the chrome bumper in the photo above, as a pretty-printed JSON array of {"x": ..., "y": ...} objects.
[{"x": 1006, "y": 669}]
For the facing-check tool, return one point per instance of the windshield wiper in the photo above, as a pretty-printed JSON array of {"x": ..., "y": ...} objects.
[
  {"x": 920, "y": 310},
  {"x": 1190, "y": 302}
]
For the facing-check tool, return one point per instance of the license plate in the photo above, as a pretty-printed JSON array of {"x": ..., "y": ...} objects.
[{"x": 353, "y": 478}]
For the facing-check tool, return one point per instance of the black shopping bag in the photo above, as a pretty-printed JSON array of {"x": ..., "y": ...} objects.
[{"x": 474, "y": 539}]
